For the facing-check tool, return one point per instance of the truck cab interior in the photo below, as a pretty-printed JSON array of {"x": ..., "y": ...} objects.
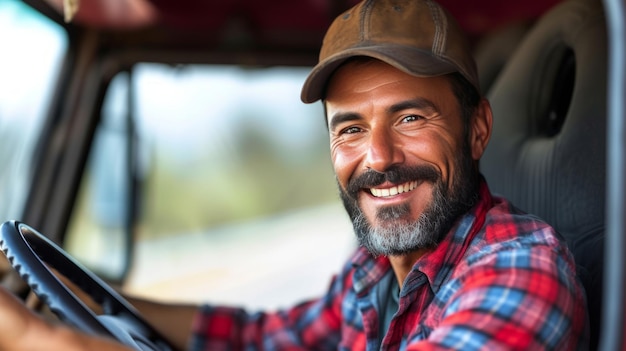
[{"x": 138, "y": 139}]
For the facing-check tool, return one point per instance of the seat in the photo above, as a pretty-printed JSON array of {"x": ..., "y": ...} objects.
[
  {"x": 547, "y": 152},
  {"x": 495, "y": 49}
]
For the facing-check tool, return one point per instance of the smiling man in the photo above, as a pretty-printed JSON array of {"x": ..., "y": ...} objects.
[
  {"x": 402, "y": 154},
  {"x": 442, "y": 264}
]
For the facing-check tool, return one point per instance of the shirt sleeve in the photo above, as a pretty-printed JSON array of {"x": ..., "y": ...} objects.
[
  {"x": 310, "y": 325},
  {"x": 516, "y": 296}
]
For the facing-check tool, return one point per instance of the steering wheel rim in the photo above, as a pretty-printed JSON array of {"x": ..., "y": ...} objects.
[{"x": 28, "y": 251}]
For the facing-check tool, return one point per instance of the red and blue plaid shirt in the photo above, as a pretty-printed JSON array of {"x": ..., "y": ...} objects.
[{"x": 501, "y": 279}]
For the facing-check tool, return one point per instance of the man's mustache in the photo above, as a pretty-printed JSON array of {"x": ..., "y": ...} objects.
[{"x": 395, "y": 175}]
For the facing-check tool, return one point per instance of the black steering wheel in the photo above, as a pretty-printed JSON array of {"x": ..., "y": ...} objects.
[{"x": 31, "y": 253}]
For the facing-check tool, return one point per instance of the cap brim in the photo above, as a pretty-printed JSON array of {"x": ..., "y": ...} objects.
[{"x": 413, "y": 61}]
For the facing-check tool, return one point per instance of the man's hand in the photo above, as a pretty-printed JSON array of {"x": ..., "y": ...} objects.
[
  {"x": 173, "y": 321},
  {"x": 21, "y": 329}
]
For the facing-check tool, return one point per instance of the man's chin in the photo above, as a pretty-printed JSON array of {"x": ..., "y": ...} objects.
[{"x": 385, "y": 225}]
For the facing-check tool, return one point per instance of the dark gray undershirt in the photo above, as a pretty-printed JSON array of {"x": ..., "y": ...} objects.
[{"x": 388, "y": 302}]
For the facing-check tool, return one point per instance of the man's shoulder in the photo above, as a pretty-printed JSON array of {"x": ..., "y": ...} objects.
[
  {"x": 505, "y": 221},
  {"x": 506, "y": 228}
]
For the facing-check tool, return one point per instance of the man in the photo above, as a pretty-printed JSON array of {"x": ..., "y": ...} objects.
[{"x": 442, "y": 264}]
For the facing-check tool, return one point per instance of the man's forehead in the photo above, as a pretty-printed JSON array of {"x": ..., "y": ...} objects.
[
  {"x": 386, "y": 86},
  {"x": 358, "y": 73}
]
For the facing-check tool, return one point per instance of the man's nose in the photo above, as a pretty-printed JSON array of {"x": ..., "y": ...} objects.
[{"x": 383, "y": 151}]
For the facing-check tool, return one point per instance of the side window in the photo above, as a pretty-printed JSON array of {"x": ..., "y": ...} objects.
[
  {"x": 236, "y": 200},
  {"x": 32, "y": 47}
]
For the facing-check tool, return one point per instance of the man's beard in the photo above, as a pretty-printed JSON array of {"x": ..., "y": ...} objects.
[{"x": 397, "y": 235}]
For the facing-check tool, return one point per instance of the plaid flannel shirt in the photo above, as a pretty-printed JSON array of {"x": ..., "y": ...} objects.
[{"x": 501, "y": 279}]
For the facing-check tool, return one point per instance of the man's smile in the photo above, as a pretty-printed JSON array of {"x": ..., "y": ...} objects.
[{"x": 394, "y": 190}]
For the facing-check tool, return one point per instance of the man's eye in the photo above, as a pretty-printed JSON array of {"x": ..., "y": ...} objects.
[
  {"x": 351, "y": 130},
  {"x": 411, "y": 118}
]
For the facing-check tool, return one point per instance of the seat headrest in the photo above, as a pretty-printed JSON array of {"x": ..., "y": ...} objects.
[{"x": 547, "y": 151}]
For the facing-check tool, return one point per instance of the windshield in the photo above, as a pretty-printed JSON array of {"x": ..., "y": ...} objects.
[{"x": 233, "y": 178}]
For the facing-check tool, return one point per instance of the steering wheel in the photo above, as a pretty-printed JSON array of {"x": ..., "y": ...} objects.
[{"x": 30, "y": 253}]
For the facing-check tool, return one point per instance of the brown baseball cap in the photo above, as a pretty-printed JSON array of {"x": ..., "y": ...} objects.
[{"x": 418, "y": 37}]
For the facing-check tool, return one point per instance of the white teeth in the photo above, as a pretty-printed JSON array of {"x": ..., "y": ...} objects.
[{"x": 395, "y": 190}]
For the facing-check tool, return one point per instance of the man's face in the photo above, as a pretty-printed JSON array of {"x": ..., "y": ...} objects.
[{"x": 403, "y": 162}]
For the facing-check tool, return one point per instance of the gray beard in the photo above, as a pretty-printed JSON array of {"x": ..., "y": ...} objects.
[{"x": 398, "y": 234}]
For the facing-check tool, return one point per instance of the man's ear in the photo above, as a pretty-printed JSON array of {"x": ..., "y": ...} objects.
[{"x": 480, "y": 128}]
